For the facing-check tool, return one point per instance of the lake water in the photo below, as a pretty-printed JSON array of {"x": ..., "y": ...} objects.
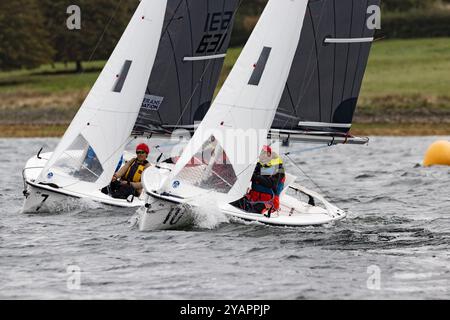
[{"x": 394, "y": 244}]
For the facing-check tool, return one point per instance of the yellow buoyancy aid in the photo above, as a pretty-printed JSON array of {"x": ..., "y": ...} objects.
[
  {"x": 275, "y": 161},
  {"x": 135, "y": 171}
]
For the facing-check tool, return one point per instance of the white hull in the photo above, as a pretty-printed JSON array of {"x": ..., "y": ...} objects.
[
  {"x": 47, "y": 198},
  {"x": 159, "y": 214},
  {"x": 44, "y": 201},
  {"x": 293, "y": 213},
  {"x": 162, "y": 211},
  {"x": 164, "y": 215}
]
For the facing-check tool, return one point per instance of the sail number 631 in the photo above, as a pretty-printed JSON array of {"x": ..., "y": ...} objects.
[{"x": 216, "y": 27}]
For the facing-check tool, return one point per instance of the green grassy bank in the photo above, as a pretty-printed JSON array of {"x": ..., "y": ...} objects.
[{"x": 406, "y": 90}]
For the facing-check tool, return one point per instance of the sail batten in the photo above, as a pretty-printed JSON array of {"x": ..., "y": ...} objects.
[
  {"x": 324, "y": 124},
  {"x": 348, "y": 40},
  {"x": 201, "y": 58}
]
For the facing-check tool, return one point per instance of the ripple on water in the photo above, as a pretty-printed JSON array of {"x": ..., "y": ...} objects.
[{"x": 399, "y": 220}]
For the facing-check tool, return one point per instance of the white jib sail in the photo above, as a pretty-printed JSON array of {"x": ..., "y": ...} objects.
[
  {"x": 244, "y": 109},
  {"x": 93, "y": 144}
]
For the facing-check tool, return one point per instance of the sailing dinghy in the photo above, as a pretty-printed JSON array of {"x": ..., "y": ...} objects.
[
  {"x": 162, "y": 73},
  {"x": 298, "y": 78}
]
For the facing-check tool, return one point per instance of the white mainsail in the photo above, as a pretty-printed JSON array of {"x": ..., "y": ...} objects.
[
  {"x": 247, "y": 102},
  {"x": 94, "y": 142}
]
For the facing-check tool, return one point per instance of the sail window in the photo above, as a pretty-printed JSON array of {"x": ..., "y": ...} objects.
[
  {"x": 122, "y": 76},
  {"x": 260, "y": 66},
  {"x": 210, "y": 168},
  {"x": 79, "y": 161}
]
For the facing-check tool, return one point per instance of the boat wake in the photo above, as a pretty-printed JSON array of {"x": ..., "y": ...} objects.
[
  {"x": 71, "y": 205},
  {"x": 204, "y": 216},
  {"x": 208, "y": 216}
]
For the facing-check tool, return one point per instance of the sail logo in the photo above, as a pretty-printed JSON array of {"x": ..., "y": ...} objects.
[
  {"x": 152, "y": 102},
  {"x": 216, "y": 30}
]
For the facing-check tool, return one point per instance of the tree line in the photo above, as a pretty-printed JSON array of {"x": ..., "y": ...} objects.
[{"x": 34, "y": 32}]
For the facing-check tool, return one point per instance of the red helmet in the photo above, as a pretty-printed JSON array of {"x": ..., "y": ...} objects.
[
  {"x": 267, "y": 149},
  {"x": 143, "y": 147}
]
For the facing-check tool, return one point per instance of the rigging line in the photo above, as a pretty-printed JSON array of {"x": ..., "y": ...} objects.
[
  {"x": 218, "y": 176},
  {"x": 202, "y": 178},
  {"x": 220, "y": 46},
  {"x": 298, "y": 167},
  {"x": 348, "y": 51},
  {"x": 306, "y": 150},
  {"x": 334, "y": 62},
  {"x": 317, "y": 61},
  {"x": 237, "y": 176},
  {"x": 210, "y": 191},
  {"x": 193, "y": 198},
  {"x": 307, "y": 80},
  {"x": 291, "y": 99},
  {"x": 172, "y": 18},
  {"x": 207, "y": 66},
  {"x": 176, "y": 66},
  {"x": 104, "y": 31},
  {"x": 102, "y": 35},
  {"x": 304, "y": 87},
  {"x": 127, "y": 140},
  {"x": 359, "y": 55},
  {"x": 211, "y": 74},
  {"x": 379, "y": 39},
  {"x": 253, "y": 163},
  {"x": 293, "y": 107},
  {"x": 192, "y": 49},
  {"x": 163, "y": 33}
]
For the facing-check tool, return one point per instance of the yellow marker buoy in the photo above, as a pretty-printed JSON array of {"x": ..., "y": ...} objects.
[{"x": 438, "y": 154}]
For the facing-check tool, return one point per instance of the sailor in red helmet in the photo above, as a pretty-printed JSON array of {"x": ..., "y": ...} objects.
[
  {"x": 127, "y": 181},
  {"x": 267, "y": 184}
]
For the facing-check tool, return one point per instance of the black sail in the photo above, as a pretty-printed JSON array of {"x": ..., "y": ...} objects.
[
  {"x": 194, "y": 40},
  {"x": 325, "y": 79}
]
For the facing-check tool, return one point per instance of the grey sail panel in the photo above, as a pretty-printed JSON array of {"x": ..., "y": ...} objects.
[
  {"x": 326, "y": 76},
  {"x": 194, "y": 40}
]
